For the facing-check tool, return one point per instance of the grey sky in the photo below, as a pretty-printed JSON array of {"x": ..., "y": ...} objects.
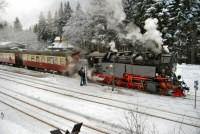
[{"x": 29, "y": 10}]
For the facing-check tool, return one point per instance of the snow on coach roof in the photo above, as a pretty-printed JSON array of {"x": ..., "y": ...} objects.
[
  {"x": 4, "y": 43},
  {"x": 57, "y": 39},
  {"x": 10, "y": 45},
  {"x": 96, "y": 53}
]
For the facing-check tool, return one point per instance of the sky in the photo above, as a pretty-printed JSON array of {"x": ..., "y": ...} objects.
[{"x": 29, "y": 10}]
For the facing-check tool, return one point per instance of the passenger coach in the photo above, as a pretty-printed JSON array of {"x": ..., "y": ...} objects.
[{"x": 50, "y": 61}]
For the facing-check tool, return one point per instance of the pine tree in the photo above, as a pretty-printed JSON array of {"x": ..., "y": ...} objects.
[
  {"x": 50, "y": 27},
  {"x": 61, "y": 10},
  {"x": 137, "y": 11},
  {"x": 3, "y": 25},
  {"x": 130, "y": 9},
  {"x": 42, "y": 28},
  {"x": 35, "y": 28},
  {"x": 77, "y": 30},
  {"x": 98, "y": 12},
  {"x": 178, "y": 20},
  {"x": 67, "y": 10},
  {"x": 64, "y": 15},
  {"x": 17, "y": 25},
  {"x": 180, "y": 26},
  {"x": 56, "y": 24}
]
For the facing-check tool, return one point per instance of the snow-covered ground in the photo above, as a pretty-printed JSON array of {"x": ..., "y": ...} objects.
[
  {"x": 189, "y": 73},
  {"x": 89, "y": 112},
  {"x": 14, "y": 122}
]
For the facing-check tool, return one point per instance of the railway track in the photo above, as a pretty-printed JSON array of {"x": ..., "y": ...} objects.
[
  {"x": 48, "y": 114},
  {"x": 188, "y": 120}
]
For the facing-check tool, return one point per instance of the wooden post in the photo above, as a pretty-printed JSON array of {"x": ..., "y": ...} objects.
[
  {"x": 113, "y": 82},
  {"x": 196, "y": 83}
]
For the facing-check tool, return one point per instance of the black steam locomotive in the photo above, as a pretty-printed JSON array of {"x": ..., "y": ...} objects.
[{"x": 143, "y": 71}]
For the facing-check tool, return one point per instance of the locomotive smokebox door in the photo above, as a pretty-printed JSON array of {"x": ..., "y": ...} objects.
[{"x": 151, "y": 87}]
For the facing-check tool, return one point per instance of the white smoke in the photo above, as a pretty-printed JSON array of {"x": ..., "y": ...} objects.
[
  {"x": 72, "y": 65},
  {"x": 152, "y": 39},
  {"x": 92, "y": 77},
  {"x": 134, "y": 32},
  {"x": 152, "y": 33},
  {"x": 118, "y": 14}
]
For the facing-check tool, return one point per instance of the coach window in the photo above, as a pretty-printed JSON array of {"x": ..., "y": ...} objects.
[
  {"x": 42, "y": 59},
  {"x": 50, "y": 60},
  {"x": 26, "y": 57},
  {"x": 37, "y": 58},
  {"x": 62, "y": 61},
  {"x": 23, "y": 57},
  {"x": 55, "y": 60},
  {"x": 32, "y": 57}
]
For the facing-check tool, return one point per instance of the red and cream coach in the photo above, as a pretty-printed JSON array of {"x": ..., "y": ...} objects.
[{"x": 61, "y": 62}]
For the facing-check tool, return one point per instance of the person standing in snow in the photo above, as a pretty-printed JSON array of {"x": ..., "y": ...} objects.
[
  {"x": 81, "y": 73},
  {"x": 2, "y": 115}
]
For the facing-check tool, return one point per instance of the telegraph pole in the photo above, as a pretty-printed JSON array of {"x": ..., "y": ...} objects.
[
  {"x": 113, "y": 81},
  {"x": 196, "y": 84}
]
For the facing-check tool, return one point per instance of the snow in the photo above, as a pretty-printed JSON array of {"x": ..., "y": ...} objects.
[
  {"x": 189, "y": 73},
  {"x": 57, "y": 45},
  {"x": 92, "y": 113},
  {"x": 15, "y": 122},
  {"x": 4, "y": 128},
  {"x": 4, "y": 43}
]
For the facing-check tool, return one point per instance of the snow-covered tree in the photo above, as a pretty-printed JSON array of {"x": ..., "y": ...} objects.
[
  {"x": 64, "y": 14},
  {"x": 108, "y": 13},
  {"x": 2, "y": 4},
  {"x": 131, "y": 8},
  {"x": 17, "y": 25},
  {"x": 179, "y": 24},
  {"x": 137, "y": 11},
  {"x": 3, "y": 25},
  {"x": 104, "y": 23},
  {"x": 67, "y": 11},
  {"x": 5, "y": 30},
  {"x": 178, "y": 20},
  {"x": 50, "y": 27},
  {"x": 61, "y": 10},
  {"x": 42, "y": 28},
  {"x": 35, "y": 28},
  {"x": 77, "y": 29}
]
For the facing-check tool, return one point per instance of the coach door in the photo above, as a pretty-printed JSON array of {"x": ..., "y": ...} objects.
[{"x": 18, "y": 59}]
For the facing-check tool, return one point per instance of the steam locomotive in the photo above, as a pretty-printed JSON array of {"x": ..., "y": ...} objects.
[{"x": 142, "y": 71}]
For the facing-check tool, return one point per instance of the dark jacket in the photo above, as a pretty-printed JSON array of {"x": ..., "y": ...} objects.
[{"x": 81, "y": 72}]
